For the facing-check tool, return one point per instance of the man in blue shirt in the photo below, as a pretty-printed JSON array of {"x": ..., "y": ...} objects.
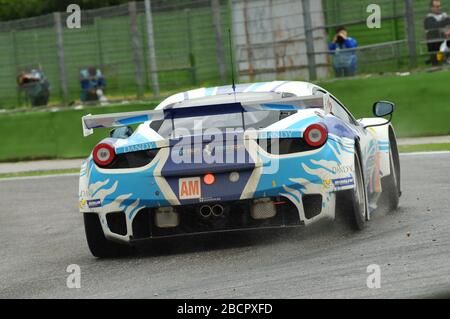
[
  {"x": 344, "y": 60},
  {"x": 92, "y": 84}
]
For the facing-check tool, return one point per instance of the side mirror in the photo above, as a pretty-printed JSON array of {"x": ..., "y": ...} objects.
[
  {"x": 383, "y": 108},
  {"x": 121, "y": 132}
]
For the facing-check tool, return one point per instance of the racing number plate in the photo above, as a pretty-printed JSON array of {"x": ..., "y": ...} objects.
[{"x": 189, "y": 188}]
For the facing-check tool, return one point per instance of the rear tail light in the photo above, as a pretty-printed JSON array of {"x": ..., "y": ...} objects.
[
  {"x": 316, "y": 135},
  {"x": 209, "y": 179},
  {"x": 103, "y": 154}
]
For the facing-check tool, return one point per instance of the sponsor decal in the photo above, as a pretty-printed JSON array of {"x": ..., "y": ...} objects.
[
  {"x": 83, "y": 203},
  {"x": 343, "y": 182},
  {"x": 210, "y": 199},
  {"x": 136, "y": 148},
  {"x": 189, "y": 188},
  {"x": 326, "y": 183},
  {"x": 94, "y": 203},
  {"x": 343, "y": 169},
  {"x": 85, "y": 193}
]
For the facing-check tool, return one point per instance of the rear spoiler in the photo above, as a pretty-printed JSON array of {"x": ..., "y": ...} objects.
[{"x": 91, "y": 122}]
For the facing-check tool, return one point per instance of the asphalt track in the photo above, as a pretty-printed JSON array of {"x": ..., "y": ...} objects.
[{"x": 42, "y": 233}]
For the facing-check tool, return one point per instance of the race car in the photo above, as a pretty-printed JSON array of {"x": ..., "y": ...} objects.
[{"x": 252, "y": 156}]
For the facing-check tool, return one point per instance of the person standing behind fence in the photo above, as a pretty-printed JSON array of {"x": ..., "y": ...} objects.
[
  {"x": 344, "y": 60},
  {"x": 437, "y": 29},
  {"x": 92, "y": 85}
]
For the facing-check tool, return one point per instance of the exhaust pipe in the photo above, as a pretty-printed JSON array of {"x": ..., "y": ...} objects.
[
  {"x": 205, "y": 211},
  {"x": 217, "y": 210}
]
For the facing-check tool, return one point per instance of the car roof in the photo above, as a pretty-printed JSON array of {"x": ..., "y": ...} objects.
[{"x": 244, "y": 93}]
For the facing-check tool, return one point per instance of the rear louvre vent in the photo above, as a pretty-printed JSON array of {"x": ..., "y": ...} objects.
[
  {"x": 133, "y": 160},
  {"x": 312, "y": 204},
  {"x": 117, "y": 223},
  {"x": 285, "y": 146}
]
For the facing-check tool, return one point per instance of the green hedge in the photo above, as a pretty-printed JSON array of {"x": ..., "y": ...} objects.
[
  {"x": 423, "y": 109},
  {"x": 52, "y": 134},
  {"x": 422, "y": 100}
]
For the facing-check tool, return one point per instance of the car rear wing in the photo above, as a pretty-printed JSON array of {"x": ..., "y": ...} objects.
[{"x": 91, "y": 122}]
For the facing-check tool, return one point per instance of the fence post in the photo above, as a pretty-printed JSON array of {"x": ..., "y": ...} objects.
[
  {"x": 61, "y": 59},
  {"x": 16, "y": 64},
  {"x": 137, "y": 49},
  {"x": 309, "y": 38},
  {"x": 411, "y": 33},
  {"x": 98, "y": 33},
  {"x": 151, "y": 49},
  {"x": 220, "y": 53},
  {"x": 192, "y": 62}
]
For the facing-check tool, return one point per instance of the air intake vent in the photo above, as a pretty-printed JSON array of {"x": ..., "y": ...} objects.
[
  {"x": 312, "y": 204},
  {"x": 284, "y": 146},
  {"x": 133, "y": 160},
  {"x": 117, "y": 223}
]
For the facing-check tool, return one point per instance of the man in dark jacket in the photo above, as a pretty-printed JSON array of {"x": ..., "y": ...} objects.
[{"x": 437, "y": 29}]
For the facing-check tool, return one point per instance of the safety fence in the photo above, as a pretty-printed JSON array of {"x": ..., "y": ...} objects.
[{"x": 146, "y": 50}]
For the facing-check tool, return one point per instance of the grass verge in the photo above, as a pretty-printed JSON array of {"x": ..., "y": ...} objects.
[
  {"x": 421, "y": 99},
  {"x": 424, "y": 148},
  {"x": 40, "y": 173},
  {"x": 402, "y": 149}
]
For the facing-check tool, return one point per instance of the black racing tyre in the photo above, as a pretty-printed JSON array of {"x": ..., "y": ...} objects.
[
  {"x": 390, "y": 185},
  {"x": 354, "y": 201},
  {"x": 98, "y": 244},
  {"x": 359, "y": 197}
]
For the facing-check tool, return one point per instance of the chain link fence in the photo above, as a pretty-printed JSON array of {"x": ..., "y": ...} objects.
[
  {"x": 115, "y": 40},
  {"x": 144, "y": 54}
]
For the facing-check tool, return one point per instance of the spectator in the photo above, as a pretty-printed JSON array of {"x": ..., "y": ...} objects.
[
  {"x": 35, "y": 86},
  {"x": 344, "y": 60},
  {"x": 92, "y": 85},
  {"x": 437, "y": 29}
]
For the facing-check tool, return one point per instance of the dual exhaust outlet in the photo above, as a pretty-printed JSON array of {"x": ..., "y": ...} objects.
[{"x": 206, "y": 211}]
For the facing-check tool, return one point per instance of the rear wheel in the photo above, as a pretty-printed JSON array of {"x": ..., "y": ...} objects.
[
  {"x": 354, "y": 201},
  {"x": 390, "y": 185},
  {"x": 97, "y": 242}
]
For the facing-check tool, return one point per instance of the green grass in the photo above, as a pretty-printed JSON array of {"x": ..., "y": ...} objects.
[
  {"x": 184, "y": 40},
  {"x": 36, "y": 135},
  {"x": 39, "y": 173},
  {"x": 402, "y": 149},
  {"x": 422, "y": 110},
  {"x": 422, "y": 100},
  {"x": 424, "y": 148}
]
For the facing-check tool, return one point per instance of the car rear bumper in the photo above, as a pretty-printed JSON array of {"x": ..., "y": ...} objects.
[{"x": 236, "y": 216}]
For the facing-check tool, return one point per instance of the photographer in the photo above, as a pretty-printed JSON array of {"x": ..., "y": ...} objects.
[
  {"x": 437, "y": 29},
  {"x": 344, "y": 60}
]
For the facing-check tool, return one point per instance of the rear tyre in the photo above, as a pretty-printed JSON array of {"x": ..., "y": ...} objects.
[
  {"x": 354, "y": 204},
  {"x": 390, "y": 185},
  {"x": 98, "y": 244}
]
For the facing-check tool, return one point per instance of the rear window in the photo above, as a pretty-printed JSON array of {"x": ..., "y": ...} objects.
[{"x": 197, "y": 125}]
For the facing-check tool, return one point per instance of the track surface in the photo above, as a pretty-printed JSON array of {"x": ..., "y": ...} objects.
[{"x": 42, "y": 233}]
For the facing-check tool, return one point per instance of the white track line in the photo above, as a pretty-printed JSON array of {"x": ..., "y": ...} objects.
[
  {"x": 425, "y": 153},
  {"x": 77, "y": 174},
  {"x": 37, "y": 177}
]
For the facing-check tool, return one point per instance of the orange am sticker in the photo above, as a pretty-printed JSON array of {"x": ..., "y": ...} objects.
[{"x": 189, "y": 188}]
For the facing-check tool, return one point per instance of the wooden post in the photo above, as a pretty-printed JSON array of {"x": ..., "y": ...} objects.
[
  {"x": 137, "y": 49},
  {"x": 61, "y": 59},
  {"x": 411, "y": 33},
  {"x": 220, "y": 53},
  {"x": 309, "y": 38},
  {"x": 153, "y": 68}
]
